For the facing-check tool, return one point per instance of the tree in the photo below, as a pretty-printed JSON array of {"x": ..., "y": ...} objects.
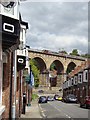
[
  {"x": 85, "y": 55},
  {"x": 52, "y": 66},
  {"x": 35, "y": 71},
  {"x": 62, "y": 51},
  {"x": 74, "y": 52}
]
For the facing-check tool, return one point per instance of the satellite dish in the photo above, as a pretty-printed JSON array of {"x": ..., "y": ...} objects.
[{"x": 8, "y": 3}]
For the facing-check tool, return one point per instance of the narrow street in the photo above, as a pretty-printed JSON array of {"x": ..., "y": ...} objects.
[
  {"x": 44, "y": 56},
  {"x": 58, "y": 109}
]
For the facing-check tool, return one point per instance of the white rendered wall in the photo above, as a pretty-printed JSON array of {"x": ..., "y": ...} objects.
[{"x": 10, "y": 12}]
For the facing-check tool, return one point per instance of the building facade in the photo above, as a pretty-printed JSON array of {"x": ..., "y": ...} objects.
[
  {"x": 78, "y": 82},
  {"x": 12, "y": 28}
]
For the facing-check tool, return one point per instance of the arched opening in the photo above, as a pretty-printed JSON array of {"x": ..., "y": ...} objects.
[
  {"x": 57, "y": 65},
  {"x": 43, "y": 76},
  {"x": 70, "y": 67},
  {"x": 40, "y": 64},
  {"x": 57, "y": 68}
]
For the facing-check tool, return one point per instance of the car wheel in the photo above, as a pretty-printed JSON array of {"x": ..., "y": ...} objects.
[
  {"x": 86, "y": 106},
  {"x": 81, "y": 105}
]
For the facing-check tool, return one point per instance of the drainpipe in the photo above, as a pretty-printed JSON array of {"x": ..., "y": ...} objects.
[
  {"x": 14, "y": 85},
  {"x": 20, "y": 77},
  {"x": 10, "y": 102},
  {"x": 1, "y": 66},
  {"x": 29, "y": 104}
]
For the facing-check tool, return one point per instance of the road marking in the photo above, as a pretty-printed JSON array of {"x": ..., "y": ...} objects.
[
  {"x": 42, "y": 112},
  {"x": 68, "y": 116},
  {"x": 60, "y": 111}
]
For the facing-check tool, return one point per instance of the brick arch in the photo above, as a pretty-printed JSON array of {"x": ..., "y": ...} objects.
[
  {"x": 41, "y": 57},
  {"x": 41, "y": 63},
  {"x": 70, "y": 66},
  {"x": 49, "y": 57},
  {"x": 51, "y": 60},
  {"x": 59, "y": 66}
]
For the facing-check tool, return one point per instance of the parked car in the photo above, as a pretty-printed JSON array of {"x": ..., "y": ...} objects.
[
  {"x": 71, "y": 98},
  {"x": 57, "y": 97},
  {"x": 42, "y": 99},
  {"x": 50, "y": 98},
  {"x": 41, "y": 91},
  {"x": 85, "y": 102}
]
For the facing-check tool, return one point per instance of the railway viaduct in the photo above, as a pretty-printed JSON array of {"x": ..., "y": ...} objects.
[{"x": 64, "y": 63}]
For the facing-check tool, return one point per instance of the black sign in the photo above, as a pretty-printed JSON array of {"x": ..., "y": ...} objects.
[
  {"x": 10, "y": 30},
  {"x": 21, "y": 62}
]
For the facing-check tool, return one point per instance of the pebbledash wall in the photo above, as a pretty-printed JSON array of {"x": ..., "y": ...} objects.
[{"x": 78, "y": 82}]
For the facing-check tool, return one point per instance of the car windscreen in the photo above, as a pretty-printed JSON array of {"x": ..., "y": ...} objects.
[{"x": 71, "y": 96}]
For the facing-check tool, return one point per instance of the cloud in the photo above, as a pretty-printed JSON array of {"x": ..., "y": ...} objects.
[{"x": 57, "y": 25}]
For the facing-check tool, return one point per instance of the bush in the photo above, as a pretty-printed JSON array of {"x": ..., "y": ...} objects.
[{"x": 34, "y": 96}]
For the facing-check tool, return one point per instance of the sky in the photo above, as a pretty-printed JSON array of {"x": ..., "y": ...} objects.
[{"x": 56, "y": 25}]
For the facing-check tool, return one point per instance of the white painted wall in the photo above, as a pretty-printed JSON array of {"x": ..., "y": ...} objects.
[
  {"x": 23, "y": 50},
  {"x": 10, "y": 12}
]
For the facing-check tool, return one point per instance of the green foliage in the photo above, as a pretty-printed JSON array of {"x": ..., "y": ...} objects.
[
  {"x": 35, "y": 71},
  {"x": 34, "y": 96},
  {"x": 52, "y": 66},
  {"x": 63, "y": 52},
  {"x": 86, "y": 55},
  {"x": 68, "y": 71},
  {"x": 74, "y": 52}
]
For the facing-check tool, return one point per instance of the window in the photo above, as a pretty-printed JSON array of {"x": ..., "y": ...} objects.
[
  {"x": 72, "y": 81},
  {"x": 85, "y": 76},
  {"x": 75, "y": 80},
  {"x": 80, "y": 78}
]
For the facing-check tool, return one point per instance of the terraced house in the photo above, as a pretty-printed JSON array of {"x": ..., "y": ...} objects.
[{"x": 78, "y": 81}]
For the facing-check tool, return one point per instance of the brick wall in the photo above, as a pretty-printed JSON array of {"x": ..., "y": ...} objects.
[
  {"x": 6, "y": 86},
  {"x": 6, "y": 90}
]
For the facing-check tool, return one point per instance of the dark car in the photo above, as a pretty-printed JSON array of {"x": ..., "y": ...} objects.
[
  {"x": 41, "y": 91},
  {"x": 85, "y": 102},
  {"x": 71, "y": 98},
  {"x": 56, "y": 97},
  {"x": 50, "y": 98},
  {"x": 42, "y": 99}
]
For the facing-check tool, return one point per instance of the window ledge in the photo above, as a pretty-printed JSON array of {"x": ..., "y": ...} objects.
[{"x": 2, "y": 109}]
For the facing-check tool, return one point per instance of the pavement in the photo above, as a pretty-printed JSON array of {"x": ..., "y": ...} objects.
[
  {"x": 35, "y": 111},
  {"x": 32, "y": 111}
]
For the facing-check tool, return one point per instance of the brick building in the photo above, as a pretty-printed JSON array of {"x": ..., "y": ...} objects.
[
  {"x": 10, "y": 75},
  {"x": 78, "y": 81}
]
